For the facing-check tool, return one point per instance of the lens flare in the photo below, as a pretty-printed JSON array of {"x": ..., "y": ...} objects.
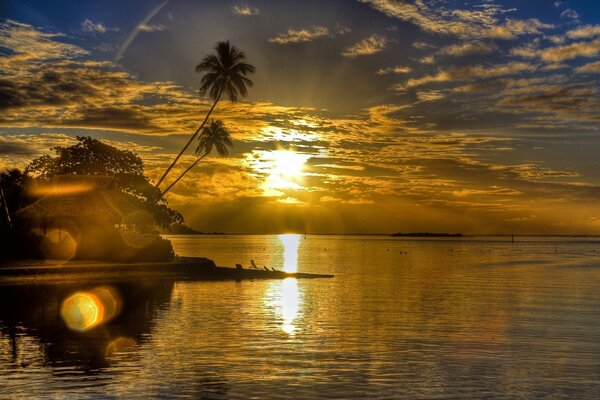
[
  {"x": 119, "y": 346},
  {"x": 85, "y": 310},
  {"x": 58, "y": 244}
]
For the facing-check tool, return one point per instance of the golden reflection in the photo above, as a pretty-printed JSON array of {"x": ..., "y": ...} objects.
[
  {"x": 291, "y": 243},
  {"x": 287, "y": 301},
  {"x": 119, "y": 346},
  {"x": 85, "y": 310}
]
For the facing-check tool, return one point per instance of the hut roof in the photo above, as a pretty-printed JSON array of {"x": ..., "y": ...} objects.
[{"x": 79, "y": 197}]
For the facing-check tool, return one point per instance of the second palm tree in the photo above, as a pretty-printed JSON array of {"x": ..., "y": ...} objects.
[
  {"x": 213, "y": 136},
  {"x": 225, "y": 73}
]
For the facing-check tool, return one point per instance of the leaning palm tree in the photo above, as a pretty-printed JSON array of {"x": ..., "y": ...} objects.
[
  {"x": 224, "y": 73},
  {"x": 213, "y": 136}
]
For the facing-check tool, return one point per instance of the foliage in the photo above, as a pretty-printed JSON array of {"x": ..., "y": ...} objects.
[
  {"x": 90, "y": 156},
  {"x": 215, "y": 135},
  {"x": 224, "y": 73}
]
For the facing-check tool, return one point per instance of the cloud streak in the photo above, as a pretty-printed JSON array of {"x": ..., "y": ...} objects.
[
  {"x": 308, "y": 34},
  {"x": 368, "y": 46},
  {"x": 244, "y": 10}
]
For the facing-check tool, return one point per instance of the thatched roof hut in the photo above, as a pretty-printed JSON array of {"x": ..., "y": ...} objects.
[{"x": 78, "y": 199}]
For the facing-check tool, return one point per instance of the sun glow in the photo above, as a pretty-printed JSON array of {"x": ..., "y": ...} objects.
[{"x": 281, "y": 169}]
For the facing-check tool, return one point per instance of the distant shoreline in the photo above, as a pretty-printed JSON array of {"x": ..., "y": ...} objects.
[
  {"x": 469, "y": 235},
  {"x": 426, "y": 234}
]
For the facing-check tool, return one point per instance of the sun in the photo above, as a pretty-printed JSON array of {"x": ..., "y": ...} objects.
[
  {"x": 281, "y": 169},
  {"x": 285, "y": 169},
  {"x": 287, "y": 164}
]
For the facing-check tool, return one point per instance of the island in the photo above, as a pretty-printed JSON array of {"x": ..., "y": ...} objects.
[{"x": 426, "y": 234}]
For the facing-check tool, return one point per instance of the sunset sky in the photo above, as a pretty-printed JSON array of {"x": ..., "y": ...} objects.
[{"x": 473, "y": 116}]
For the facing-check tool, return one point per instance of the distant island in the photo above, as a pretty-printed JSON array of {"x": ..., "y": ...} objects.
[
  {"x": 427, "y": 234},
  {"x": 183, "y": 229}
]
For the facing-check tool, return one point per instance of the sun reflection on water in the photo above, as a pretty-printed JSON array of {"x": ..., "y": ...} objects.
[
  {"x": 286, "y": 298},
  {"x": 291, "y": 243}
]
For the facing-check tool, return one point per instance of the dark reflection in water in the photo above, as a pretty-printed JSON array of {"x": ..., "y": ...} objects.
[
  {"x": 34, "y": 310},
  {"x": 37, "y": 333}
]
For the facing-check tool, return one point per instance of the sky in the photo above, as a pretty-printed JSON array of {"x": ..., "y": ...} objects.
[{"x": 366, "y": 116}]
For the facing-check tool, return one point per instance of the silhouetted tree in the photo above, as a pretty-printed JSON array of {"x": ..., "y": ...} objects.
[
  {"x": 14, "y": 183},
  {"x": 92, "y": 157},
  {"x": 224, "y": 73},
  {"x": 213, "y": 136}
]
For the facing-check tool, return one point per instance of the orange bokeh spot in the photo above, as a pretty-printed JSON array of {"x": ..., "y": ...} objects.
[{"x": 85, "y": 310}]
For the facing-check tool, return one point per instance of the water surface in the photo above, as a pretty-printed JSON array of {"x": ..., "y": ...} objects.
[{"x": 403, "y": 318}]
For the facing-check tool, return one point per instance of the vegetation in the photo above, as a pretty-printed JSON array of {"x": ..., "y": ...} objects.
[
  {"x": 119, "y": 225},
  {"x": 213, "y": 136},
  {"x": 92, "y": 157},
  {"x": 225, "y": 73}
]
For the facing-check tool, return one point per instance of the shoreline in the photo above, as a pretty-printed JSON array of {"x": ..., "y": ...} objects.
[{"x": 180, "y": 269}]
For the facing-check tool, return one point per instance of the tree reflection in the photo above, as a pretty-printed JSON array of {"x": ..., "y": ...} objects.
[{"x": 35, "y": 311}]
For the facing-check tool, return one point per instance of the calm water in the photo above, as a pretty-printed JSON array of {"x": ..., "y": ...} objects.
[{"x": 476, "y": 318}]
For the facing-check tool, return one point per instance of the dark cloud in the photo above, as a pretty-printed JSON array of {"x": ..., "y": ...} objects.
[{"x": 20, "y": 148}]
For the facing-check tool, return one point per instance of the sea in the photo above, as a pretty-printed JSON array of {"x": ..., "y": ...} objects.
[{"x": 403, "y": 318}]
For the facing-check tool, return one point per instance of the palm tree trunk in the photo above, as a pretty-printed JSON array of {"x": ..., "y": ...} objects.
[
  {"x": 162, "y": 178},
  {"x": 181, "y": 176},
  {"x": 6, "y": 215}
]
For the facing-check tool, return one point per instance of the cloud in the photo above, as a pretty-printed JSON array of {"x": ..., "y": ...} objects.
[
  {"x": 245, "y": 10},
  {"x": 570, "y": 51},
  {"x": 591, "y": 68},
  {"x": 401, "y": 160},
  {"x": 32, "y": 45},
  {"x": 514, "y": 28},
  {"x": 371, "y": 45},
  {"x": 584, "y": 32},
  {"x": 430, "y": 95},
  {"x": 398, "y": 69},
  {"x": 468, "y": 24},
  {"x": 152, "y": 28},
  {"x": 468, "y": 49},
  {"x": 530, "y": 50},
  {"x": 308, "y": 34},
  {"x": 91, "y": 27},
  {"x": 471, "y": 72},
  {"x": 555, "y": 99},
  {"x": 430, "y": 59},
  {"x": 570, "y": 14},
  {"x": 423, "y": 45}
]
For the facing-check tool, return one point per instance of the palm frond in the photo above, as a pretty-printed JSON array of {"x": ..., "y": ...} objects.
[
  {"x": 216, "y": 136},
  {"x": 225, "y": 72}
]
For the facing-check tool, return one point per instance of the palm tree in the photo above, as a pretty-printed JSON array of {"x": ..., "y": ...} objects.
[
  {"x": 213, "y": 136},
  {"x": 224, "y": 73}
]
